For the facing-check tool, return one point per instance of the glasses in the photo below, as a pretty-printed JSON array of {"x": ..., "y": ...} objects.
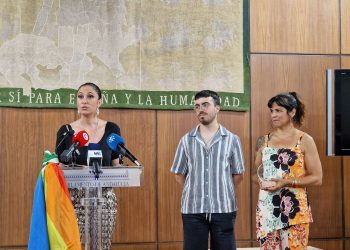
[{"x": 204, "y": 106}]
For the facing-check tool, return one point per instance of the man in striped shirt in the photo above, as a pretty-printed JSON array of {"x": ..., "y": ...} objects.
[{"x": 209, "y": 165}]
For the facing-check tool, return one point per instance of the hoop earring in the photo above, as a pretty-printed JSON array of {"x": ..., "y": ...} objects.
[{"x": 97, "y": 111}]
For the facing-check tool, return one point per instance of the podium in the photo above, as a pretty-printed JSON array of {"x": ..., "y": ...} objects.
[{"x": 84, "y": 177}]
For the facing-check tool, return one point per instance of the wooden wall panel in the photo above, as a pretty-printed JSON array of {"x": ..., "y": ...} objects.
[
  {"x": 298, "y": 26},
  {"x": 243, "y": 244},
  {"x": 346, "y": 196},
  {"x": 345, "y": 62},
  {"x": 24, "y": 135},
  {"x": 170, "y": 246},
  {"x": 335, "y": 244},
  {"x": 179, "y": 245},
  {"x": 347, "y": 244},
  {"x": 345, "y": 26},
  {"x": 136, "y": 217},
  {"x": 134, "y": 247},
  {"x": 171, "y": 127},
  {"x": 13, "y": 248},
  {"x": 271, "y": 74}
]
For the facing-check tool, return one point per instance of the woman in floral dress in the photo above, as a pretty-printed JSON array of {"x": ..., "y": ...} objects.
[{"x": 289, "y": 162}]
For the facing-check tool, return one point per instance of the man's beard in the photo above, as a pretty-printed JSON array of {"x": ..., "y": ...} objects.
[{"x": 206, "y": 120}]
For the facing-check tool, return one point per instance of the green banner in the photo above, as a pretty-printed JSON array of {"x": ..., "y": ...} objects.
[{"x": 66, "y": 98}]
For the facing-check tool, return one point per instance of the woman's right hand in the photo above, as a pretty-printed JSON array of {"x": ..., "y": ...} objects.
[{"x": 266, "y": 185}]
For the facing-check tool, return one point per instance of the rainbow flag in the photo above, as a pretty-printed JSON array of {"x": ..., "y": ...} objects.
[{"x": 54, "y": 223}]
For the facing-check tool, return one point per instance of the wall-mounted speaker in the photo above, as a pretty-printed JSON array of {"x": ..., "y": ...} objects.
[{"x": 338, "y": 112}]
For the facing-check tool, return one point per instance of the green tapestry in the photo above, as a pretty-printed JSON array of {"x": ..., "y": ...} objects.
[{"x": 142, "y": 53}]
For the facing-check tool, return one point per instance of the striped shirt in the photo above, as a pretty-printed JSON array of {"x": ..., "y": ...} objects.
[{"x": 208, "y": 169}]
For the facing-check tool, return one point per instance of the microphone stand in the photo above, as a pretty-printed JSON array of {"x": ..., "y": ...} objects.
[
  {"x": 75, "y": 154},
  {"x": 65, "y": 135},
  {"x": 96, "y": 170},
  {"x": 121, "y": 160}
]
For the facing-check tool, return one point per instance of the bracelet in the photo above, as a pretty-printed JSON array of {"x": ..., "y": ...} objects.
[{"x": 295, "y": 182}]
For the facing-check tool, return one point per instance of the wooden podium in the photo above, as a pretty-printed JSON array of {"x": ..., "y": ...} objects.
[{"x": 84, "y": 177}]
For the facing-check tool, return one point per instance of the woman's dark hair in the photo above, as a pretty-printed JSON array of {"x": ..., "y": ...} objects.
[
  {"x": 208, "y": 93},
  {"x": 94, "y": 86},
  {"x": 290, "y": 100}
]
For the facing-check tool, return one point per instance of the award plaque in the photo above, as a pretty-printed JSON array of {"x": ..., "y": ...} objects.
[{"x": 264, "y": 183}]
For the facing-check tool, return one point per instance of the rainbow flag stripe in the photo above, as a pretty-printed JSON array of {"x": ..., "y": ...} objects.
[{"x": 54, "y": 223}]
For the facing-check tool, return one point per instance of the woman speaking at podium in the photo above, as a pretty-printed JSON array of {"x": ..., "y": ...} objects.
[{"x": 89, "y": 99}]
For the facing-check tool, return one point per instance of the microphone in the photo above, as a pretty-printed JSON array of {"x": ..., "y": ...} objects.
[
  {"x": 116, "y": 143},
  {"x": 78, "y": 140},
  {"x": 94, "y": 159},
  {"x": 65, "y": 135}
]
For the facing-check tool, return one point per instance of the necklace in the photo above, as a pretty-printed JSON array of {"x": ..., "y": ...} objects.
[{"x": 208, "y": 140}]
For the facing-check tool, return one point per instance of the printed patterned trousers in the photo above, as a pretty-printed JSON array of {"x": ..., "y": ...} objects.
[
  {"x": 109, "y": 211},
  {"x": 291, "y": 238}
]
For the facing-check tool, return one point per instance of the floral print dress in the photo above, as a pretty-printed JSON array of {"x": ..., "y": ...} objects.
[{"x": 288, "y": 206}]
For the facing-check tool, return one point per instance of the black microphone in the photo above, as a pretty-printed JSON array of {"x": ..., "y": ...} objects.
[
  {"x": 65, "y": 135},
  {"x": 78, "y": 140},
  {"x": 116, "y": 143},
  {"x": 94, "y": 159}
]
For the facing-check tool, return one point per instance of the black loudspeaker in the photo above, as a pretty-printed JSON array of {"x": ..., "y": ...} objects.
[{"x": 338, "y": 112}]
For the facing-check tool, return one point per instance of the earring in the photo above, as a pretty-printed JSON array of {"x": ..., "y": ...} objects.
[
  {"x": 97, "y": 111},
  {"x": 78, "y": 111}
]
